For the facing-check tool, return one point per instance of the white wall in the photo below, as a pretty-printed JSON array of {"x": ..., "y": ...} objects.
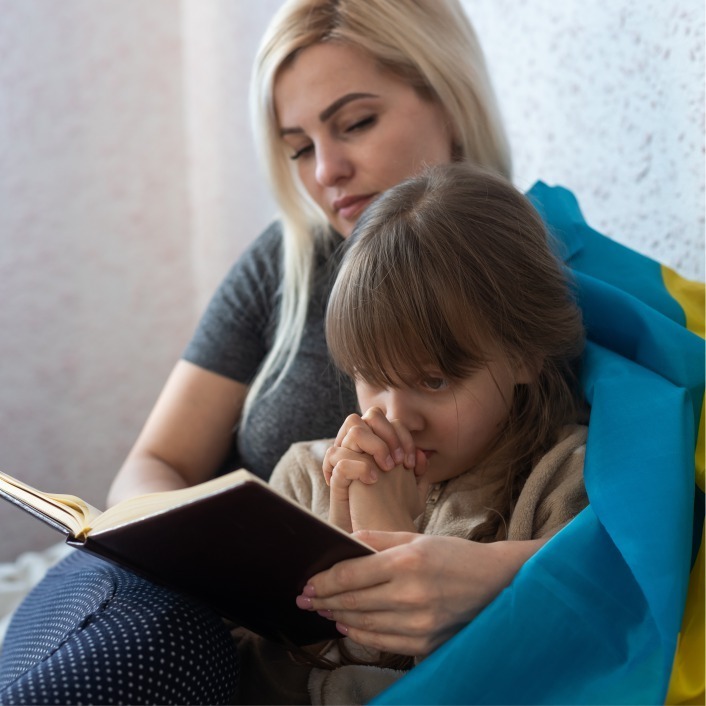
[
  {"x": 96, "y": 280},
  {"x": 606, "y": 97},
  {"x": 128, "y": 184}
]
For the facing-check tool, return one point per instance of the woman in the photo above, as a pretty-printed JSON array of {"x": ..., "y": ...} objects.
[{"x": 350, "y": 97}]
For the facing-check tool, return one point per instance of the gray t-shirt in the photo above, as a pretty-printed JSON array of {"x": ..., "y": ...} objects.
[{"x": 233, "y": 337}]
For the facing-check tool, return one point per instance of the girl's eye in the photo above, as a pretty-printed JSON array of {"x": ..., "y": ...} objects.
[
  {"x": 302, "y": 151},
  {"x": 435, "y": 383}
]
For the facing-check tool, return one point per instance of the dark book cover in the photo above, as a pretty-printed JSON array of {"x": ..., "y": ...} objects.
[{"x": 245, "y": 551}]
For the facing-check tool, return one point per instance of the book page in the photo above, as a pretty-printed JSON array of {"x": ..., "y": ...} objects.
[
  {"x": 68, "y": 510},
  {"x": 142, "y": 506}
]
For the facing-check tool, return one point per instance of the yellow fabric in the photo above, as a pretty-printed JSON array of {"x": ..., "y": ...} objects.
[
  {"x": 687, "y": 683},
  {"x": 690, "y": 296}
]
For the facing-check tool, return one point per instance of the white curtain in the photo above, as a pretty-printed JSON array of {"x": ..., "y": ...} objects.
[{"x": 128, "y": 185}]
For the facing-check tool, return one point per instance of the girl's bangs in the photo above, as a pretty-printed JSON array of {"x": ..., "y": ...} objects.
[{"x": 396, "y": 333}]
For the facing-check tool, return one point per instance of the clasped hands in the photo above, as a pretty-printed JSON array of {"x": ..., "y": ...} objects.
[{"x": 373, "y": 488}]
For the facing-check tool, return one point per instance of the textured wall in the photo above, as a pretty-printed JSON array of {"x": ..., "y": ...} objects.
[
  {"x": 128, "y": 184},
  {"x": 95, "y": 274},
  {"x": 607, "y": 98},
  {"x": 230, "y": 203}
]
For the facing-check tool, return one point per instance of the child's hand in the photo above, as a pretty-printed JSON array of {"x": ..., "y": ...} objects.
[
  {"x": 362, "y": 453},
  {"x": 388, "y": 442},
  {"x": 391, "y": 504},
  {"x": 347, "y": 467},
  {"x": 364, "y": 497}
]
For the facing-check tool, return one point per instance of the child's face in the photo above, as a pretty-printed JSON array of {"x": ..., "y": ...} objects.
[{"x": 452, "y": 422}]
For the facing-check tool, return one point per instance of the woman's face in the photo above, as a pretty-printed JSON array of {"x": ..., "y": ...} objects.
[{"x": 354, "y": 130}]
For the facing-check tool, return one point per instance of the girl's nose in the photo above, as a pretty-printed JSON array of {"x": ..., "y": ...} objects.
[
  {"x": 332, "y": 165},
  {"x": 401, "y": 404}
]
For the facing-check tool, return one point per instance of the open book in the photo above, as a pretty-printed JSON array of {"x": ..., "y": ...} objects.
[{"x": 233, "y": 543}]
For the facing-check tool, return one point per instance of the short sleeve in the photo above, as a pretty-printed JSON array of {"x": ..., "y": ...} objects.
[{"x": 236, "y": 329}]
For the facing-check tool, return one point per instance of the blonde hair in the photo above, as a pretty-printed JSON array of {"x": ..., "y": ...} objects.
[
  {"x": 443, "y": 269},
  {"x": 430, "y": 44}
]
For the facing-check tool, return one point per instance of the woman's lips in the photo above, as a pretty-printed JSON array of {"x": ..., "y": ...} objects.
[{"x": 350, "y": 207}]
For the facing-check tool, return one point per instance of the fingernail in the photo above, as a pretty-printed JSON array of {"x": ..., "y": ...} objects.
[
  {"x": 373, "y": 475},
  {"x": 411, "y": 460},
  {"x": 389, "y": 463},
  {"x": 399, "y": 456},
  {"x": 304, "y": 602},
  {"x": 325, "y": 614},
  {"x": 342, "y": 628},
  {"x": 309, "y": 591}
]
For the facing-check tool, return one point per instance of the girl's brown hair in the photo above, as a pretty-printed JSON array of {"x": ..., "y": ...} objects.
[{"x": 441, "y": 270}]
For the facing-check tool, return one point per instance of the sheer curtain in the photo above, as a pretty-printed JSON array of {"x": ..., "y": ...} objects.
[{"x": 129, "y": 184}]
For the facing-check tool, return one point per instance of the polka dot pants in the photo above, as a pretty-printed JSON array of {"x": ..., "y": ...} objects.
[{"x": 91, "y": 633}]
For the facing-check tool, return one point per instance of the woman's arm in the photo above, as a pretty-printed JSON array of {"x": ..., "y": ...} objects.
[
  {"x": 417, "y": 591},
  {"x": 187, "y": 435}
]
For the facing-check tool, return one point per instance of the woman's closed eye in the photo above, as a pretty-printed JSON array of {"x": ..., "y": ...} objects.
[
  {"x": 345, "y": 129},
  {"x": 366, "y": 122},
  {"x": 302, "y": 151}
]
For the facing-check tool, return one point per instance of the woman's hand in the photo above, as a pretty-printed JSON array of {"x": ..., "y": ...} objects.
[{"x": 417, "y": 591}]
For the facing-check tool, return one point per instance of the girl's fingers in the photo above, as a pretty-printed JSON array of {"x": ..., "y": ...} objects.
[
  {"x": 363, "y": 439},
  {"x": 396, "y": 436},
  {"x": 343, "y": 448},
  {"x": 350, "y": 421},
  {"x": 355, "y": 434},
  {"x": 349, "y": 469},
  {"x": 386, "y": 431},
  {"x": 389, "y": 442},
  {"x": 349, "y": 466},
  {"x": 409, "y": 450}
]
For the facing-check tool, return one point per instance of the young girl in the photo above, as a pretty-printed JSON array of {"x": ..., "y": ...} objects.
[{"x": 458, "y": 326}]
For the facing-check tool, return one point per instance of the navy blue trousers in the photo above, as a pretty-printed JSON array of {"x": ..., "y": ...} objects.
[{"x": 92, "y": 633}]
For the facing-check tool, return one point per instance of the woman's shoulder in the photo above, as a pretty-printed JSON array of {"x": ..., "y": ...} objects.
[
  {"x": 263, "y": 254},
  {"x": 254, "y": 278}
]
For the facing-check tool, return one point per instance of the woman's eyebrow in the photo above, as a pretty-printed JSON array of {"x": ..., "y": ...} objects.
[{"x": 325, "y": 114}]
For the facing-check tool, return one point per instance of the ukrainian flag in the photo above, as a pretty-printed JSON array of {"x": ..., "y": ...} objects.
[{"x": 611, "y": 609}]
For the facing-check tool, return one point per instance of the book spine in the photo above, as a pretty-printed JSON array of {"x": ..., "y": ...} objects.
[{"x": 33, "y": 511}]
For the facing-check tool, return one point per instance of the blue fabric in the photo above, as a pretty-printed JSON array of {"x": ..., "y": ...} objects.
[{"x": 593, "y": 618}]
